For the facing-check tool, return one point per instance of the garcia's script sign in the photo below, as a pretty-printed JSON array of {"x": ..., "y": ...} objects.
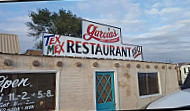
[
  {"x": 98, "y": 41},
  {"x": 106, "y": 36}
]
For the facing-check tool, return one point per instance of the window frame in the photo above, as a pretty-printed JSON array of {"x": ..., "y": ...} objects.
[
  {"x": 150, "y": 95},
  {"x": 188, "y": 68},
  {"x": 57, "y": 77},
  {"x": 184, "y": 70}
]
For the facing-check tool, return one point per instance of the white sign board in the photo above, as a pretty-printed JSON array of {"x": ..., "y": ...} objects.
[
  {"x": 97, "y": 41},
  {"x": 100, "y": 33}
]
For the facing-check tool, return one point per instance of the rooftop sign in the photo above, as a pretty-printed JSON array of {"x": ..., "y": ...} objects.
[
  {"x": 101, "y": 33},
  {"x": 98, "y": 41}
]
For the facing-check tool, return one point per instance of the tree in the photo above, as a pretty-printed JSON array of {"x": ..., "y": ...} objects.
[{"x": 63, "y": 23}]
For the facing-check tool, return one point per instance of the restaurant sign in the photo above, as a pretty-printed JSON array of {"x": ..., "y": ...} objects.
[{"x": 98, "y": 41}]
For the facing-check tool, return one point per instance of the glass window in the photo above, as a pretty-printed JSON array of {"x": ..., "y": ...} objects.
[
  {"x": 184, "y": 70},
  {"x": 188, "y": 69},
  {"x": 27, "y": 91},
  {"x": 148, "y": 83}
]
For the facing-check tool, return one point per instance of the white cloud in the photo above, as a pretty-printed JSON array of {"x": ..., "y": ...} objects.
[
  {"x": 156, "y": 5},
  {"x": 133, "y": 21},
  {"x": 178, "y": 29},
  {"x": 116, "y": 9},
  {"x": 164, "y": 11},
  {"x": 171, "y": 10},
  {"x": 120, "y": 13},
  {"x": 22, "y": 19},
  {"x": 153, "y": 11},
  {"x": 162, "y": 28},
  {"x": 184, "y": 21},
  {"x": 168, "y": 42},
  {"x": 16, "y": 25},
  {"x": 187, "y": 14},
  {"x": 25, "y": 42}
]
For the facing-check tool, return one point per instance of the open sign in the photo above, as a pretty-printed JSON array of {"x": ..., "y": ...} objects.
[{"x": 27, "y": 91}]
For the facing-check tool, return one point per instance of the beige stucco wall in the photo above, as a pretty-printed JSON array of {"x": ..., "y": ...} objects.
[{"x": 77, "y": 84}]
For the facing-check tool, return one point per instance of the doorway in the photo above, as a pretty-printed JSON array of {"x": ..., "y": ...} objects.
[{"x": 105, "y": 93}]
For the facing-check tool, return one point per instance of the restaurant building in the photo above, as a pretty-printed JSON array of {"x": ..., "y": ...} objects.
[
  {"x": 96, "y": 72},
  {"x": 80, "y": 84}
]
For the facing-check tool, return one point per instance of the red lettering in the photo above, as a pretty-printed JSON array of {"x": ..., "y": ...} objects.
[
  {"x": 111, "y": 34},
  {"x": 99, "y": 35},
  {"x": 104, "y": 35},
  {"x": 59, "y": 48},
  {"x": 51, "y": 41},
  {"x": 115, "y": 34},
  {"x": 54, "y": 40},
  {"x": 108, "y": 35},
  {"x": 96, "y": 33},
  {"x": 57, "y": 39},
  {"x": 91, "y": 29}
]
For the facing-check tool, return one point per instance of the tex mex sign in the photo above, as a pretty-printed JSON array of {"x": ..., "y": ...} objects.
[{"x": 98, "y": 41}]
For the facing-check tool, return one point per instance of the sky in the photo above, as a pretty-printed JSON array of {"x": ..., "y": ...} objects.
[{"x": 161, "y": 27}]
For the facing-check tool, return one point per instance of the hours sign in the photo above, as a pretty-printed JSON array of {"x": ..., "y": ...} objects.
[{"x": 27, "y": 91}]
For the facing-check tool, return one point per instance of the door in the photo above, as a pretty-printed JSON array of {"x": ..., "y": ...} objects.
[{"x": 105, "y": 95}]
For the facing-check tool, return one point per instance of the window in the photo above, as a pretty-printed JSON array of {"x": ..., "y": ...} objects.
[
  {"x": 27, "y": 91},
  {"x": 185, "y": 70},
  {"x": 188, "y": 69},
  {"x": 148, "y": 83}
]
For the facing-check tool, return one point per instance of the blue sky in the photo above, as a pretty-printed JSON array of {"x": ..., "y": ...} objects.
[{"x": 160, "y": 26}]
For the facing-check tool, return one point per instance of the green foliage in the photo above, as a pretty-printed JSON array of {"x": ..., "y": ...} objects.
[
  {"x": 63, "y": 23},
  {"x": 39, "y": 45}
]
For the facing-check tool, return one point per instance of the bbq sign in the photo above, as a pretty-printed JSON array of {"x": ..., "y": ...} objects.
[{"x": 98, "y": 41}]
